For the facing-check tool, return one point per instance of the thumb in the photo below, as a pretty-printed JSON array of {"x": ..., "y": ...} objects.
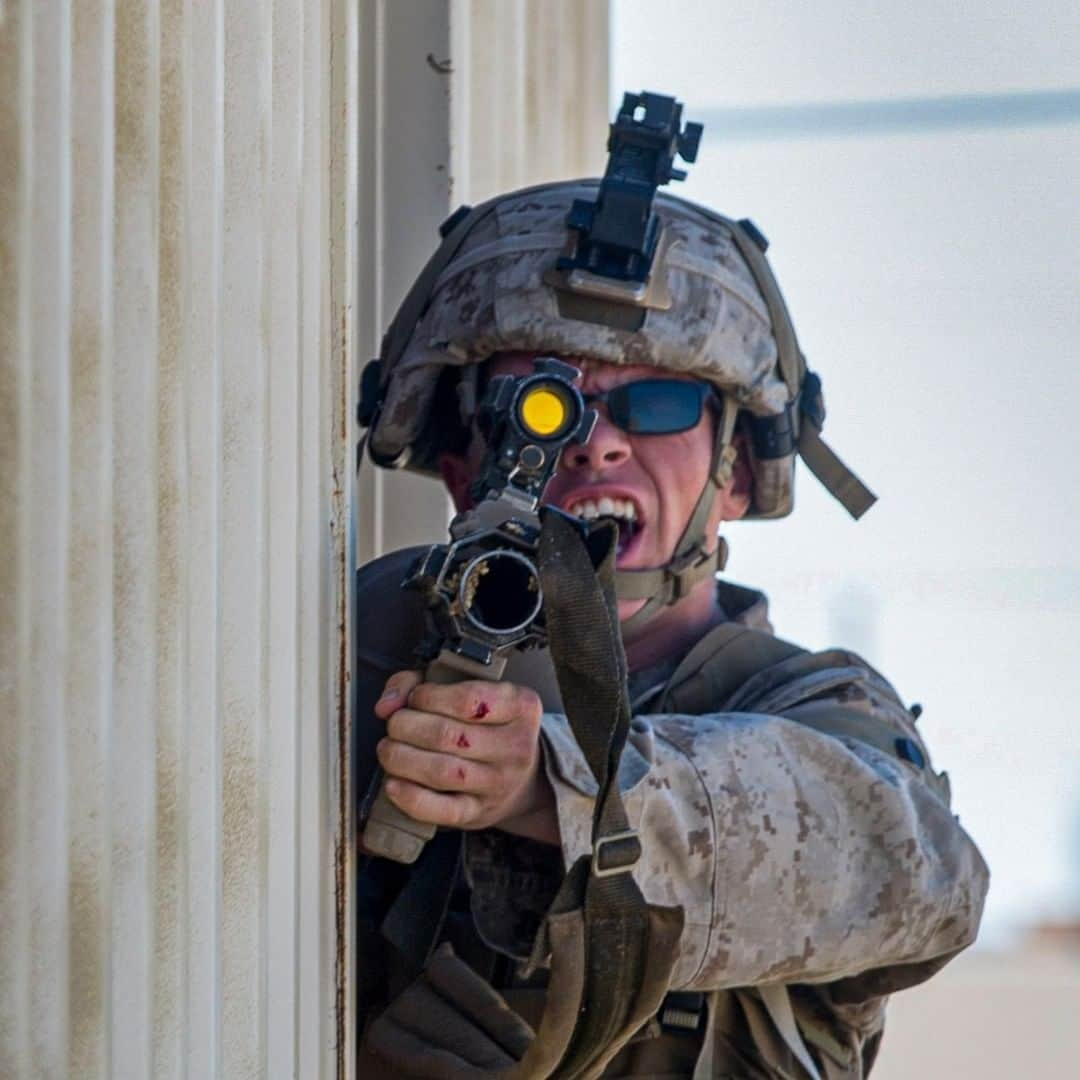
[{"x": 396, "y": 692}]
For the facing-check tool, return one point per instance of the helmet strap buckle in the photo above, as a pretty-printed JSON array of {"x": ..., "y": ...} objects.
[{"x": 685, "y": 572}]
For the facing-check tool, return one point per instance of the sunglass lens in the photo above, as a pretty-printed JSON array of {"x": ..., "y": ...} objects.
[{"x": 656, "y": 406}]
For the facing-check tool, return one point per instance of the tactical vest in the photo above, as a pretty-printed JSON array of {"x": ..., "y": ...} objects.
[{"x": 764, "y": 1033}]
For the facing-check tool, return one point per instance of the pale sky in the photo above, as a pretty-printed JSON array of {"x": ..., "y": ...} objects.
[{"x": 933, "y": 278}]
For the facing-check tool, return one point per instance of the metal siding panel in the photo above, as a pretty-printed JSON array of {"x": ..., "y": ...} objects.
[
  {"x": 510, "y": 101},
  {"x": 369, "y": 481},
  {"x": 415, "y": 140},
  {"x": 413, "y": 153},
  {"x": 528, "y": 104},
  {"x": 204, "y": 177},
  {"x": 47, "y": 872},
  {"x": 16, "y": 56},
  {"x": 243, "y": 536},
  {"x": 343, "y": 85},
  {"x": 477, "y": 83},
  {"x": 591, "y": 39},
  {"x": 537, "y": 106},
  {"x": 134, "y": 534},
  {"x": 170, "y": 900},
  {"x": 176, "y": 856},
  {"x": 89, "y": 671},
  {"x": 315, "y": 854},
  {"x": 192, "y": 935},
  {"x": 283, "y": 553},
  {"x": 548, "y": 41}
]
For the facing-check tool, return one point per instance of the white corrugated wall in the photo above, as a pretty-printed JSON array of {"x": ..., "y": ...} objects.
[
  {"x": 519, "y": 97},
  {"x": 208, "y": 210},
  {"x": 177, "y": 265}
]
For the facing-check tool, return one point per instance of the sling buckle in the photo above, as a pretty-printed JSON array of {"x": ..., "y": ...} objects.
[{"x": 621, "y": 859}]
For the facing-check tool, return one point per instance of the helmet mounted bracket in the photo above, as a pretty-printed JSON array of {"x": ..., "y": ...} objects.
[{"x": 615, "y": 241}]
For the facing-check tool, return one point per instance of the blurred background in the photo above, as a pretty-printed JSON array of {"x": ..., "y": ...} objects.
[{"x": 915, "y": 169}]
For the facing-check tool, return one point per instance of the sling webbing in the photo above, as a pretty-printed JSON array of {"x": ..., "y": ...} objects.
[{"x": 619, "y": 980}]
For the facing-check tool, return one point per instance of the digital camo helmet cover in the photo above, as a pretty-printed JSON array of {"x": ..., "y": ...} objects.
[{"x": 709, "y": 306}]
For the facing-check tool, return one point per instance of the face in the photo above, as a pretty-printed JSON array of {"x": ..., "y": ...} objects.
[{"x": 650, "y": 482}]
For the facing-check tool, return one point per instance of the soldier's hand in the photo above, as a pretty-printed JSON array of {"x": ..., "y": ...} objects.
[{"x": 466, "y": 755}]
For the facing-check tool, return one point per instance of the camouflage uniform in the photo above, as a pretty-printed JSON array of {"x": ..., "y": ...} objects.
[
  {"x": 818, "y": 872},
  {"x": 792, "y": 814}
]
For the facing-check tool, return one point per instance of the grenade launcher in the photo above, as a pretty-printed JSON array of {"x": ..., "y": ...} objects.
[{"x": 482, "y": 589}]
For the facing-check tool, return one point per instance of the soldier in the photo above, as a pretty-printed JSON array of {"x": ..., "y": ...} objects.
[{"x": 783, "y": 802}]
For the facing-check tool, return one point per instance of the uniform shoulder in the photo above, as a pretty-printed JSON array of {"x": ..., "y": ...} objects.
[
  {"x": 388, "y": 570},
  {"x": 762, "y": 668},
  {"x": 736, "y": 669}
]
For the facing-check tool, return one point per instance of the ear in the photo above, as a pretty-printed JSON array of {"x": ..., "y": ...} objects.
[
  {"x": 457, "y": 475},
  {"x": 736, "y": 496}
]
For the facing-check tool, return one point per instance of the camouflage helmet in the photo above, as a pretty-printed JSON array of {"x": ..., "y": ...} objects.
[{"x": 710, "y": 307}]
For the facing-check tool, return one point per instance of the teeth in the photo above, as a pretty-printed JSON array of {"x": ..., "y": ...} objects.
[
  {"x": 586, "y": 510},
  {"x": 604, "y": 507}
]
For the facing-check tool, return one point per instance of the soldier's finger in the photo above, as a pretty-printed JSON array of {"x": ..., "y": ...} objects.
[
  {"x": 478, "y": 701},
  {"x": 441, "y": 772},
  {"x": 434, "y": 807},
  {"x": 430, "y": 731},
  {"x": 396, "y": 692}
]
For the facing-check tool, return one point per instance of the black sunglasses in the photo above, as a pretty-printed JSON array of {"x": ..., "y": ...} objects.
[{"x": 654, "y": 406}]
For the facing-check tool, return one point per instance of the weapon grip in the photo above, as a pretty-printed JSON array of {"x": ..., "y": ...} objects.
[{"x": 388, "y": 831}]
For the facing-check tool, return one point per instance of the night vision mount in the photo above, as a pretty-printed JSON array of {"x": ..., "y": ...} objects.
[{"x": 618, "y": 235}]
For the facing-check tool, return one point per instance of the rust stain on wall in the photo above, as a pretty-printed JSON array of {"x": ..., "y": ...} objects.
[
  {"x": 342, "y": 862},
  {"x": 343, "y": 842}
]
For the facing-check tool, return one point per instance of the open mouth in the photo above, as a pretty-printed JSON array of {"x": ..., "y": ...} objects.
[{"x": 623, "y": 512}]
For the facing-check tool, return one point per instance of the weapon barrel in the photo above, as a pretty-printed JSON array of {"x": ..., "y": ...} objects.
[{"x": 500, "y": 591}]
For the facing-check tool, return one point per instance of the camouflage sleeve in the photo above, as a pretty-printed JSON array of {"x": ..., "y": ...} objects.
[{"x": 798, "y": 856}]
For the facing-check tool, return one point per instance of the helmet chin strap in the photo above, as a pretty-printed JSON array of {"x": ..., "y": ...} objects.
[{"x": 691, "y": 562}]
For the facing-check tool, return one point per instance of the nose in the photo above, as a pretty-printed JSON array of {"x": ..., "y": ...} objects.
[{"x": 608, "y": 448}]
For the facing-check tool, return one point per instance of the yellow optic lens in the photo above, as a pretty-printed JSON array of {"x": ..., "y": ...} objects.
[{"x": 543, "y": 412}]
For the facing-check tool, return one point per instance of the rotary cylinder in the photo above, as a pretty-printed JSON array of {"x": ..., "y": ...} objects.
[{"x": 500, "y": 592}]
